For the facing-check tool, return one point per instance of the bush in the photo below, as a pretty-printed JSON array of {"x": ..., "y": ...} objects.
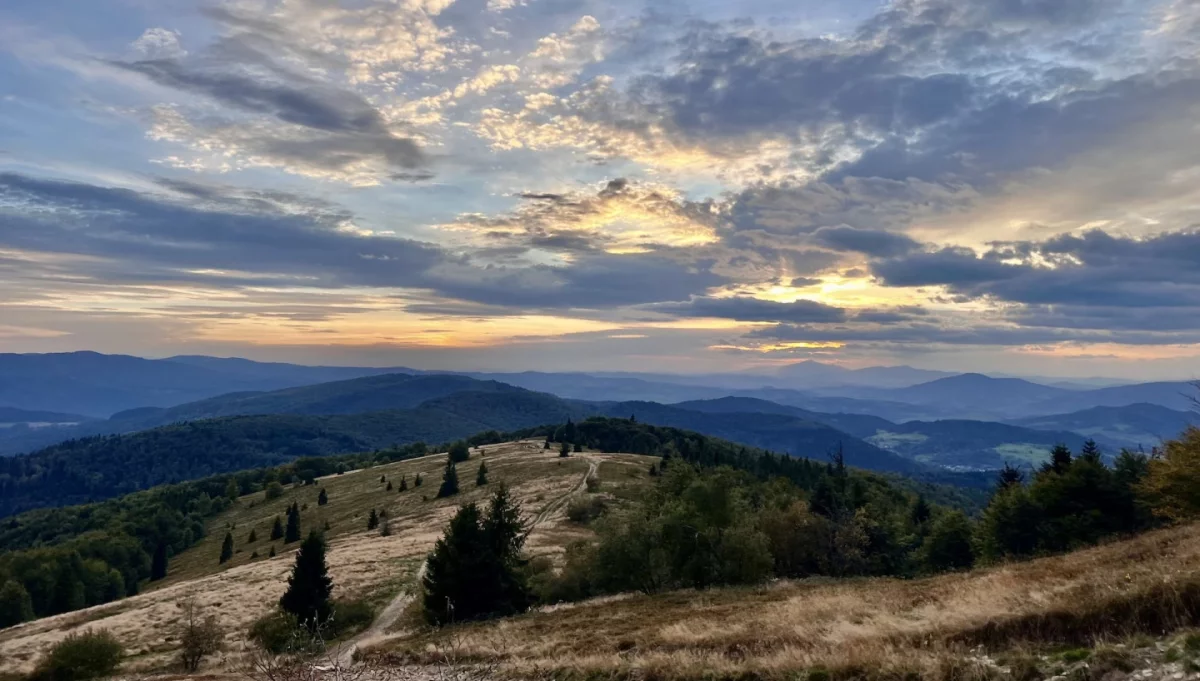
[
  {"x": 274, "y": 490},
  {"x": 593, "y": 483},
  {"x": 279, "y": 632},
  {"x": 90, "y": 655},
  {"x": 584, "y": 511},
  {"x": 199, "y": 636},
  {"x": 350, "y": 616}
]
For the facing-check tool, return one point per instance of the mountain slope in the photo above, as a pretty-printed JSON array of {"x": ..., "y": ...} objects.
[
  {"x": 858, "y": 425},
  {"x": 12, "y": 415},
  {"x": 100, "y": 385},
  {"x": 1134, "y": 425},
  {"x": 776, "y": 432},
  {"x": 97, "y": 468},
  {"x": 973, "y": 444},
  {"x": 358, "y": 395}
]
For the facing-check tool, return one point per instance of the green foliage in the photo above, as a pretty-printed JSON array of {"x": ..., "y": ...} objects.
[
  {"x": 565, "y": 450},
  {"x": 252, "y": 537},
  {"x": 226, "y": 548},
  {"x": 322, "y": 498},
  {"x": 292, "y": 532},
  {"x": 418, "y": 480},
  {"x": 232, "y": 491},
  {"x": 404, "y": 483},
  {"x": 1071, "y": 502},
  {"x": 158, "y": 564},
  {"x": 372, "y": 520},
  {"x": 1172, "y": 479},
  {"x": 459, "y": 451},
  {"x": 309, "y": 587},
  {"x": 584, "y": 511},
  {"x": 274, "y": 490},
  {"x": 449, "y": 480},
  {"x": 948, "y": 546},
  {"x": 80, "y": 657},
  {"x": 481, "y": 478},
  {"x": 278, "y": 632},
  {"x": 476, "y": 569},
  {"x": 277, "y": 529},
  {"x": 15, "y": 604}
]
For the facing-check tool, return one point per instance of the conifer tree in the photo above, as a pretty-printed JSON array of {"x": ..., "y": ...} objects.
[
  {"x": 547, "y": 443},
  {"x": 417, "y": 482},
  {"x": 383, "y": 478},
  {"x": 292, "y": 533},
  {"x": 1060, "y": 460},
  {"x": 475, "y": 568},
  {"x": 252, "y": 537},
  {"x": 158, "y": 564},
  {"x": 481, "y": 475},
  {"x": 309, "y": 587},
  {"x": 569, "y": 431},
  {"x": 920, "y": 511},
  {"x": 322, "y": 498},
  {"x": 1090, "y": 451},
  {"x": 404, "y": 483},
  {"x": 232, "y": 491},
  {"x": 1009, "y": 477},
  {"x": 565, "y": 450},
  {"x": 372, "y": 520},
  {"x": 389, "y": 485},
  {"x": 578, "y": 448},
  {"x": 272, "y": 554},
  {"x": 277, "y": 529},
  {"x": 449, "y": 480},
  {"x": 15, "y": 604},
  {"x": 226, "y": 548}
]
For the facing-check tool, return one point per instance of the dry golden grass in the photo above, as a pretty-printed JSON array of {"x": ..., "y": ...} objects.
[
  {"x": 867, "y": 628},
  {"x": 362, "y": 563}
]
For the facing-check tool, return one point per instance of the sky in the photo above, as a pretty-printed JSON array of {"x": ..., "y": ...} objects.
[{"x": 1006, "y": 186}]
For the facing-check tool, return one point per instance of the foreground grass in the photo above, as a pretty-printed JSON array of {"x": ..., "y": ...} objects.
[{"x": 945, "y": 628}]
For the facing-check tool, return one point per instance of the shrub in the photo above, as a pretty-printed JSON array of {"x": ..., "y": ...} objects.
[
  {"x": 350, "y": 616},
  {"x": 199, "y": 636},
  {"x": 90, "y": 655},
  {"x": 274, "y": 490},
  {"x": 584, "y": 511},
  {"x": 593, "y": 483},
  {"x": 279, "y": 632}
]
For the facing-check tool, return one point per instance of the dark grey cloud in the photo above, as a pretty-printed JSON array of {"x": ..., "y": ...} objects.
[
  {"x": 1095, "y": 269},
  {"x": 872, "y": 242},
  {"x": 963, "y": 334},
  {"x": 747, "y": 309},
  {"x": 264, "y": 240}
]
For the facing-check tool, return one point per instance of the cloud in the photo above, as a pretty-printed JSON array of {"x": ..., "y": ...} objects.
[
  {"x": 872, "y": 242},
  {"x": 748, "y": 309}
]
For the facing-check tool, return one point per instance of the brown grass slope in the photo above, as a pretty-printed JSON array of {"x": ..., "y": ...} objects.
[
  {"x": 362, "y": 563},
  {"x": 867, "y": 628}
]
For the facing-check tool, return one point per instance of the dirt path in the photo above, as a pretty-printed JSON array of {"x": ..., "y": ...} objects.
[{"x": 390, "y": 614}]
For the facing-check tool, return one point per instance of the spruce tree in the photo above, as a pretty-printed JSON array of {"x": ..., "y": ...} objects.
[
  {"x": 226, "y": 548},
  {"x": 292, "y": 533},
  {"x": 389, "y": 485},
  {"x": 322, "y": 498},
  {"x": 1090, "y": 451},
  {"x": 569, "y": 431},
  {"x": 565, "y": 450},
  {"x": 404, "y": 483},
  {"x": 578, "y": 448},
  {"x": 253, "y": 537},
  {"x": 158, "y": 564},
  {"x": 1060, "y": 460},
  {"x": 372, "y": 520},
  {"x": 475, "y": 569},
  {"x": 277, "y": 529},
  {"x": 449, "y": 480},
  {"x": 232, "y": 491},
  {"x": 309, "y": 587},
  {"x": 547, "y": 444},
  {"x": 15, "y": 604},
  {"x": 481, "y": 475},
  {"x": 417, "y": 482},
  {"x": 1009, "y": 477},
  {"x": 272, "y": 553},
  {"x": 383, "y": 478}
]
